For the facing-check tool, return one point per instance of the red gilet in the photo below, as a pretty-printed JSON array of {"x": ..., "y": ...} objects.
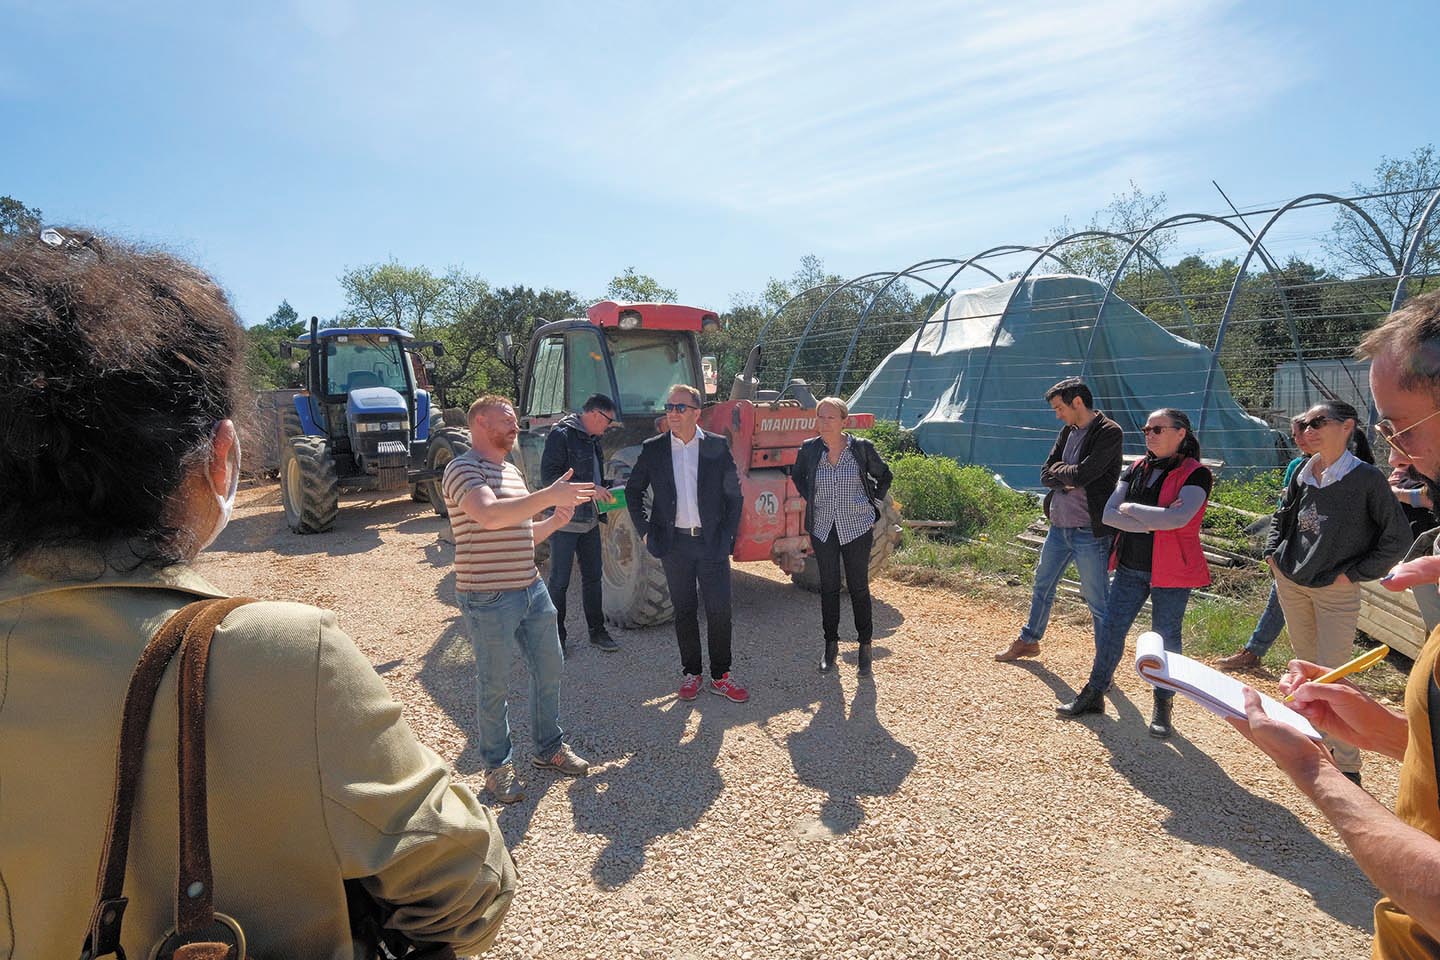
[{"x": 1177, "y": 560}]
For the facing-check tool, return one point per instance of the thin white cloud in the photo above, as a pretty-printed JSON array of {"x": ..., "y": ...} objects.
[{"x": 880, "y": 108}]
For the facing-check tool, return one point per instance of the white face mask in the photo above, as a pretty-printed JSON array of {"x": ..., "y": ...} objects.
[{"x": 227, "y": 501}]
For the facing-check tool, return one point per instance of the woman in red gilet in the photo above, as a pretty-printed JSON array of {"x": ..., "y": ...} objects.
[{"x": 1157, "y": 506}]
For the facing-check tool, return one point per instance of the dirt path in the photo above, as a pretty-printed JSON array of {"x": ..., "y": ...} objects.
[{"x": 942, "y": 811}]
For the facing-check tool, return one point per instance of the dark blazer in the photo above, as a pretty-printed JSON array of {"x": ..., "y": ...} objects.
[
  {"x": 1098, "y": 470},
  {"x": 718, "y": 498},
  {"x": 874, "y": 472}
]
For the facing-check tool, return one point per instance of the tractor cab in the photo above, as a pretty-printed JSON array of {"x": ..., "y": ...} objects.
[{"x": 631, "y": 352}]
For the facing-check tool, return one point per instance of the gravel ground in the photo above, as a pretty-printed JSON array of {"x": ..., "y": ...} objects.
[{"x": 940, "y": 811}]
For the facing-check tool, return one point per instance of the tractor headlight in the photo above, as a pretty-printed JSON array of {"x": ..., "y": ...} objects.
[
  {"x": 379, "y": 426},
  {"x": 629, "y": 320}
]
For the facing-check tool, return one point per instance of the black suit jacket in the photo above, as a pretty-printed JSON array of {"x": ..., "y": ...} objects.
[{"x": 718, "y": 496}]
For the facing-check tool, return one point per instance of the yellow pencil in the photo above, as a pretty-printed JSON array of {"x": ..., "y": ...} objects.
[{"x": 1363, "y": 662}]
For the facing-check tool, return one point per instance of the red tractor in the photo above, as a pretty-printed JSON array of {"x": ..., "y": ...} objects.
[{"x": 633, "y": 352}]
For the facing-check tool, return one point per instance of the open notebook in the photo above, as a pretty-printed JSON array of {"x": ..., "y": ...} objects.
[{"x": 1211, "y": 689}]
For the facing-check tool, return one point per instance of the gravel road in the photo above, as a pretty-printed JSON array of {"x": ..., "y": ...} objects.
[{"x": 940, "y": 811}]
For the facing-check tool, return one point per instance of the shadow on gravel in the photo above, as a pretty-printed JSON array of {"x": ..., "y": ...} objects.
[
  {"x": 664, "y": 763},
  {"x": 1208, "y": 809},
  {"x": 848, "y": 756},
  {"x": 658, "y": 764},
  {"x": 356, "y": 530}
]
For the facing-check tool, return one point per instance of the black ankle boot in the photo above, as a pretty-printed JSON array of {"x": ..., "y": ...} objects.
[
  {"x": 832, "y": 651},
  {"x": 1088, "y": 700},
  {"x": 864, "y": 670},
  {"x": 1160, "y": 719}
]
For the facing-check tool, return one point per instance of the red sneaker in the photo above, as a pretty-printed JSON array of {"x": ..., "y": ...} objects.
[
  {"x": 690, "y": 687},
  {"x": 729, "y": 689}
]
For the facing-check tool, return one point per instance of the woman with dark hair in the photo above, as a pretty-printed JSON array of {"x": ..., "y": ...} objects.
[
  {"x": 1272, "y": 618},
  {"x": 1157, "y": 506},
  {"x": 1338, "y": 524},
  {"x": 118, "y": 464}
]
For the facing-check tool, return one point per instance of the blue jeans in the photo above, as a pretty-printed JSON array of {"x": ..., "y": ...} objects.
[
  {"x": 493, "y": 620},
  {"x": 1127, "y": 595},
  {"x": 1092, "y": 558},
  {"x": 564, "y": 548},
  {"x": 1272, "y": 620}
]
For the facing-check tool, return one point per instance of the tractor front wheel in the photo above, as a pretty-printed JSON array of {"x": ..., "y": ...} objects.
[
  {"x": 634, "y": 589},
  {"x": 309, "y": 488},
  {"x": 887, "y": 538},
  {"x": 445, "y": 445}
]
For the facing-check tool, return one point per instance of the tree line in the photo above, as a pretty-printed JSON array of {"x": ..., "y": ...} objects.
[{"x": 1330, "y": 303}]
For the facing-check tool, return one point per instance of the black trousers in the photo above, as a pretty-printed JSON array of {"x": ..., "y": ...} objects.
[
  {"x": 686, "y": 565},
  {"x": 564, "y": 547},
  {"x": 830, "y": 554}
]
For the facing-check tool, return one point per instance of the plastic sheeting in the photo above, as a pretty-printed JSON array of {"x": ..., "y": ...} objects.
[{"x": 971, "y": 380}]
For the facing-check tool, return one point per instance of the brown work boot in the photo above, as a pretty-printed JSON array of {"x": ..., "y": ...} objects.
[
  {"x": 1243, "y": 660},
  {"x": 1018, "y": 650}
]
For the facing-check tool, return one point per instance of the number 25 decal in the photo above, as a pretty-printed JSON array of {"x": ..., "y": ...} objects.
[{"x": 767, "y": 503}]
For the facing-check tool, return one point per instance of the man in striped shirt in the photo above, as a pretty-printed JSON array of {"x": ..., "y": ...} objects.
[{"x": 501, "y": 594}]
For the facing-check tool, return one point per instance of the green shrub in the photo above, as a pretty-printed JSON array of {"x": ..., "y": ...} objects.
[
  {"x": 891, "y": 440},
  {"x": 1256, "y": 494},
  {"x": 938, "y": 488}
]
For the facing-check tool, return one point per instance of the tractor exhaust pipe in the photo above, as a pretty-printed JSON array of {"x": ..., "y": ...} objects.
[
  {"x": 315, "y": 385},
  {"x": 746, "y": 384}
]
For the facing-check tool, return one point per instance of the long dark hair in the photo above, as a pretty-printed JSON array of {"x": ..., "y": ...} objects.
[
  {"x": 116, "y": 363},
  {"x": 1358, "y": 443}
]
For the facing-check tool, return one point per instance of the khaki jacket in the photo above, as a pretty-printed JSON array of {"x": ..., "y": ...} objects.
[{"x": 314, "y": 776}]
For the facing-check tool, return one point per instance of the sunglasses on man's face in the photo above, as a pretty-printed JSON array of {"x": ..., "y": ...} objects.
[
  {"x": 1156, "y": 431},
  {"x": 679, "y": 407}
]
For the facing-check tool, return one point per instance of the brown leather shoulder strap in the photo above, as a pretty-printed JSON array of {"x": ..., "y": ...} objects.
[
  {"x": 103, "y": 937},
  {"x": 194, "y": 894}
]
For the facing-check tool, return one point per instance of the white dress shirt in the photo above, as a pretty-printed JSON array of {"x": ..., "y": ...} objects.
[{"x": 685, "y": 462}]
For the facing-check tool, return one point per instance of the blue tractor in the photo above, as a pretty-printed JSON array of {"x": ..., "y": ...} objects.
[{"x": 364, "y": 422}]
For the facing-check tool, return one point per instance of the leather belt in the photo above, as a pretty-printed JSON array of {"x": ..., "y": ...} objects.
[{"x": 689, "y": 531}]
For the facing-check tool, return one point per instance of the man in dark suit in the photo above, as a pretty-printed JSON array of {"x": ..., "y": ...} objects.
[{"x": 694, "y": 515}]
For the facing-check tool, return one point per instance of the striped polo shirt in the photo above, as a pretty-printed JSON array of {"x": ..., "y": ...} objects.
[{"x": 487, "y": 561}]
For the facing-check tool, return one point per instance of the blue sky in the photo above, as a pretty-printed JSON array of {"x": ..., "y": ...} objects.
[{"x": 711, "y": 146}]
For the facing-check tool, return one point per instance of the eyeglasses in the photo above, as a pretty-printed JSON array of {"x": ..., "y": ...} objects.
[
  {"x": 1156, "y": 431},
  {"x": 679, "y": 407},
  {"x": 608, "y": 419},
  {"x": 1390, "y": 435},
  {"x": 1314, "y": 423}
]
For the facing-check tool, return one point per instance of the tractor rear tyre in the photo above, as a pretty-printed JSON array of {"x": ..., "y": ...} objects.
[
  {"x": 887, "y": 538},
  {"x": 287, "y": 428},
  {"x": 634, "y": 589},
  {"x": 445, "y": 445},
  {"x": 309, "y": 488}
]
